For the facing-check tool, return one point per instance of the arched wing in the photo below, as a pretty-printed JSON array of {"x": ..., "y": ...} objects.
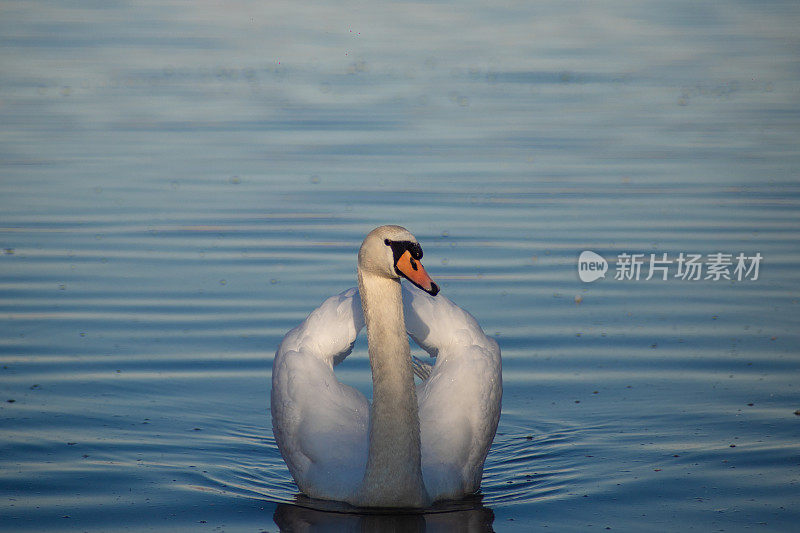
[
  {"x": 460, "y": 400},
  {"x": 321, "y": 424}
]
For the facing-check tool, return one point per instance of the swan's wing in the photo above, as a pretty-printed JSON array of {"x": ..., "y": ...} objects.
[
  {"x": 329, "y": 332},
  {"x": 460, "y": 401},
  {"x": 320, "y": 424}
]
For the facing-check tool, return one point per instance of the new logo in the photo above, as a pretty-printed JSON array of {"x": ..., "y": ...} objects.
[{"x": 591, "y": 266}]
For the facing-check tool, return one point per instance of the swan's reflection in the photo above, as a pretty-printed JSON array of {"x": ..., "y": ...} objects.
[{"x": 315, "y": 516}]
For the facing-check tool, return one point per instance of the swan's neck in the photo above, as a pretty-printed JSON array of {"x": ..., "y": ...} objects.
[{"x": 393, "y": 475}]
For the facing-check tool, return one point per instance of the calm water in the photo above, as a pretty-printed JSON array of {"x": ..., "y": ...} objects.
[{"x": 182, "y": 183}]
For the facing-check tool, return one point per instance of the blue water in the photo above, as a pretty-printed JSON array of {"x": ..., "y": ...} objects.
[{"x": 181, "y": 184}]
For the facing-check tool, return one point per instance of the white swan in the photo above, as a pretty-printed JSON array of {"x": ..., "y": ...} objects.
[{"x": 413, "y": 445}]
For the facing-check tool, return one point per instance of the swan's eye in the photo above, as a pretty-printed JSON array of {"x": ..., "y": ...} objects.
[
  {"x": 416, "y": 250},
  {"x": 387, "y": 242}
]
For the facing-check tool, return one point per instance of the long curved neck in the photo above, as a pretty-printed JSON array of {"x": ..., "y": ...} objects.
[{"x": 393, "y": 475}]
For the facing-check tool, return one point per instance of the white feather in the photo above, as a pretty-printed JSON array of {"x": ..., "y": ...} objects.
[{"x": 321, "y": 425}]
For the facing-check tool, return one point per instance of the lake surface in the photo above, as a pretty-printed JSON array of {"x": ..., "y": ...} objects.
[{"x": 182, "y": 183}]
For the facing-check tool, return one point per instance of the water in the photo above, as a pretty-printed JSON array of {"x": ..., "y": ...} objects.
[{"x": 180, "y": 184}]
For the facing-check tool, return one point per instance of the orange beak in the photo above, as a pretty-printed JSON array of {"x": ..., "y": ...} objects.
[{"x": 413, "y": 271}]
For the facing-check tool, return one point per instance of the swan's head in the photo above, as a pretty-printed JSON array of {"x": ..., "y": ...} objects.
[{"x": 392, "y": 252}]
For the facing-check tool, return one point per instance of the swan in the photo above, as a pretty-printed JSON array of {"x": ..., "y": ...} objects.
[{"x": 413, "y": 444}]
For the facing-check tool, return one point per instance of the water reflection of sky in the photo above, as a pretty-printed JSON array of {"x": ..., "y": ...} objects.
[{"x": 182, "y": 184}]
